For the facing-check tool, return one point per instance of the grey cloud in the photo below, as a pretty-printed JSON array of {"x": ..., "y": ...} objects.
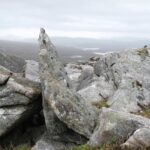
[{"x": 77, "y": 15}]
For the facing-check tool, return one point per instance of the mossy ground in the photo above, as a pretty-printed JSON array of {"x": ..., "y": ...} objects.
[
  {"x": 19, "y": 147},
  {"x": 114, "y": 146}
]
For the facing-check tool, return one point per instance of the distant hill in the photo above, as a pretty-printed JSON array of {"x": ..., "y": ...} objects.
[
  {"x": 30, "y": 51},
  {"x": 70, "y": 49}
]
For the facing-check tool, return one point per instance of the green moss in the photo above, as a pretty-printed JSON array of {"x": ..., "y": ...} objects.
[
  {"x": 104, "y": 147},
  {"x": 110, "y": 145},
  {"x": 137, "y": 84},
  {"x": 81, "y": 147},
  {"x": 145, "y": 112},
  {"x": 100, "y": 104},
  {"x": 19, "y": 147},
  {"x": 142, "y": 51},
  {"x": 113, "y": 146},
  {"x": 22, "y": 147}
]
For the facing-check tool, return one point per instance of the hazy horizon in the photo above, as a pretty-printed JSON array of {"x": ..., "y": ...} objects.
[{"x": 102, "y": 20}]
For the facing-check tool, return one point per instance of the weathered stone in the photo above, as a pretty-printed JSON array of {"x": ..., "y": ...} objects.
[
  {"x": 4, "y": 75},
  {"x": 11, "y": 117},
  {"x": 32, "y": 70},
  {"x": 116, "y": 126},
  {"x": 13, "y": 63},
  {"x": 73, "y": 72},
  {"x": 85, "y": 78},
  {"x": 139, "y": 139},
  {"x": 19, "y": 98},
  {"x": 50, "y": 145},
  {"x": 129, "y": 76},
  {"x": 66, "y": 105}
]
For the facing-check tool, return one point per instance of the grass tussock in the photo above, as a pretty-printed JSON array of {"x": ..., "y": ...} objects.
[
  {"x": 145, "y": 112},
  {"x": 114, "y": 146},
  {"x": 19, "y": 147},
  {"x": 22, "y": 147},
  {"x": 104, "y": 147},
  {"x": 100, "y": 104}
]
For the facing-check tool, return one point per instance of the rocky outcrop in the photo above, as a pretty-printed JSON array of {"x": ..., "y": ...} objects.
[
  {"x": 13, "y": 63},
  {"x": 129, "y": 74},
  {"x": 116, "y": 126},
  {"x": 74, "y": 97},
  {"x": 19, "y": 99},
  {"x": 59, "y": 101},
  {"x": 122, "y": 80}
]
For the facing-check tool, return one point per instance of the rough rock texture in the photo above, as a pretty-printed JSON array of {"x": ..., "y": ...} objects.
[
  {"x": 59, "y": 142},
  {"x": 139, "y": 139},
  {"x": 13, "y": 63},
  {"x": 30, "y": 131},
  {"x": 31, "y": 71},
  {"x": 97, "y": 90},
  {"x": 129, "y": 74},
  {"x": 121, "y": 79},
  {"x": 65, "y": 104},
  {"x": 117, "y": 126},
  {"x": 19, "y": 98},
  {"x": 73, "y": 72},
  {"x": 44, "y": 144}
]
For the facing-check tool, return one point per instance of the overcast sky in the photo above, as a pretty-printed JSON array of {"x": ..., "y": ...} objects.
[{"x": 102, "y": 19}]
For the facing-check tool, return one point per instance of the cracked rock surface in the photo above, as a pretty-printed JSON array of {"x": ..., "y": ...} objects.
[{"x": 19, "y": 99}]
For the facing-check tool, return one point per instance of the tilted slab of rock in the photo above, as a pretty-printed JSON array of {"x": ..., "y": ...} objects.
[
  {"x": 67, "y": 106},
  {"x": 116, "y": 126},
  {"x": 19, "y": 99}
]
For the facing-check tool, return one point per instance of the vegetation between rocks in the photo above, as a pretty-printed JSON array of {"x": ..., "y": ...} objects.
[
  {"x": 19, "y": 147},
  {"x": 100, "y": 104},
  {"x": 145, "y": 112},
  {"x": 142, "y": 51},
  {"x": 114, "y": 146}
]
